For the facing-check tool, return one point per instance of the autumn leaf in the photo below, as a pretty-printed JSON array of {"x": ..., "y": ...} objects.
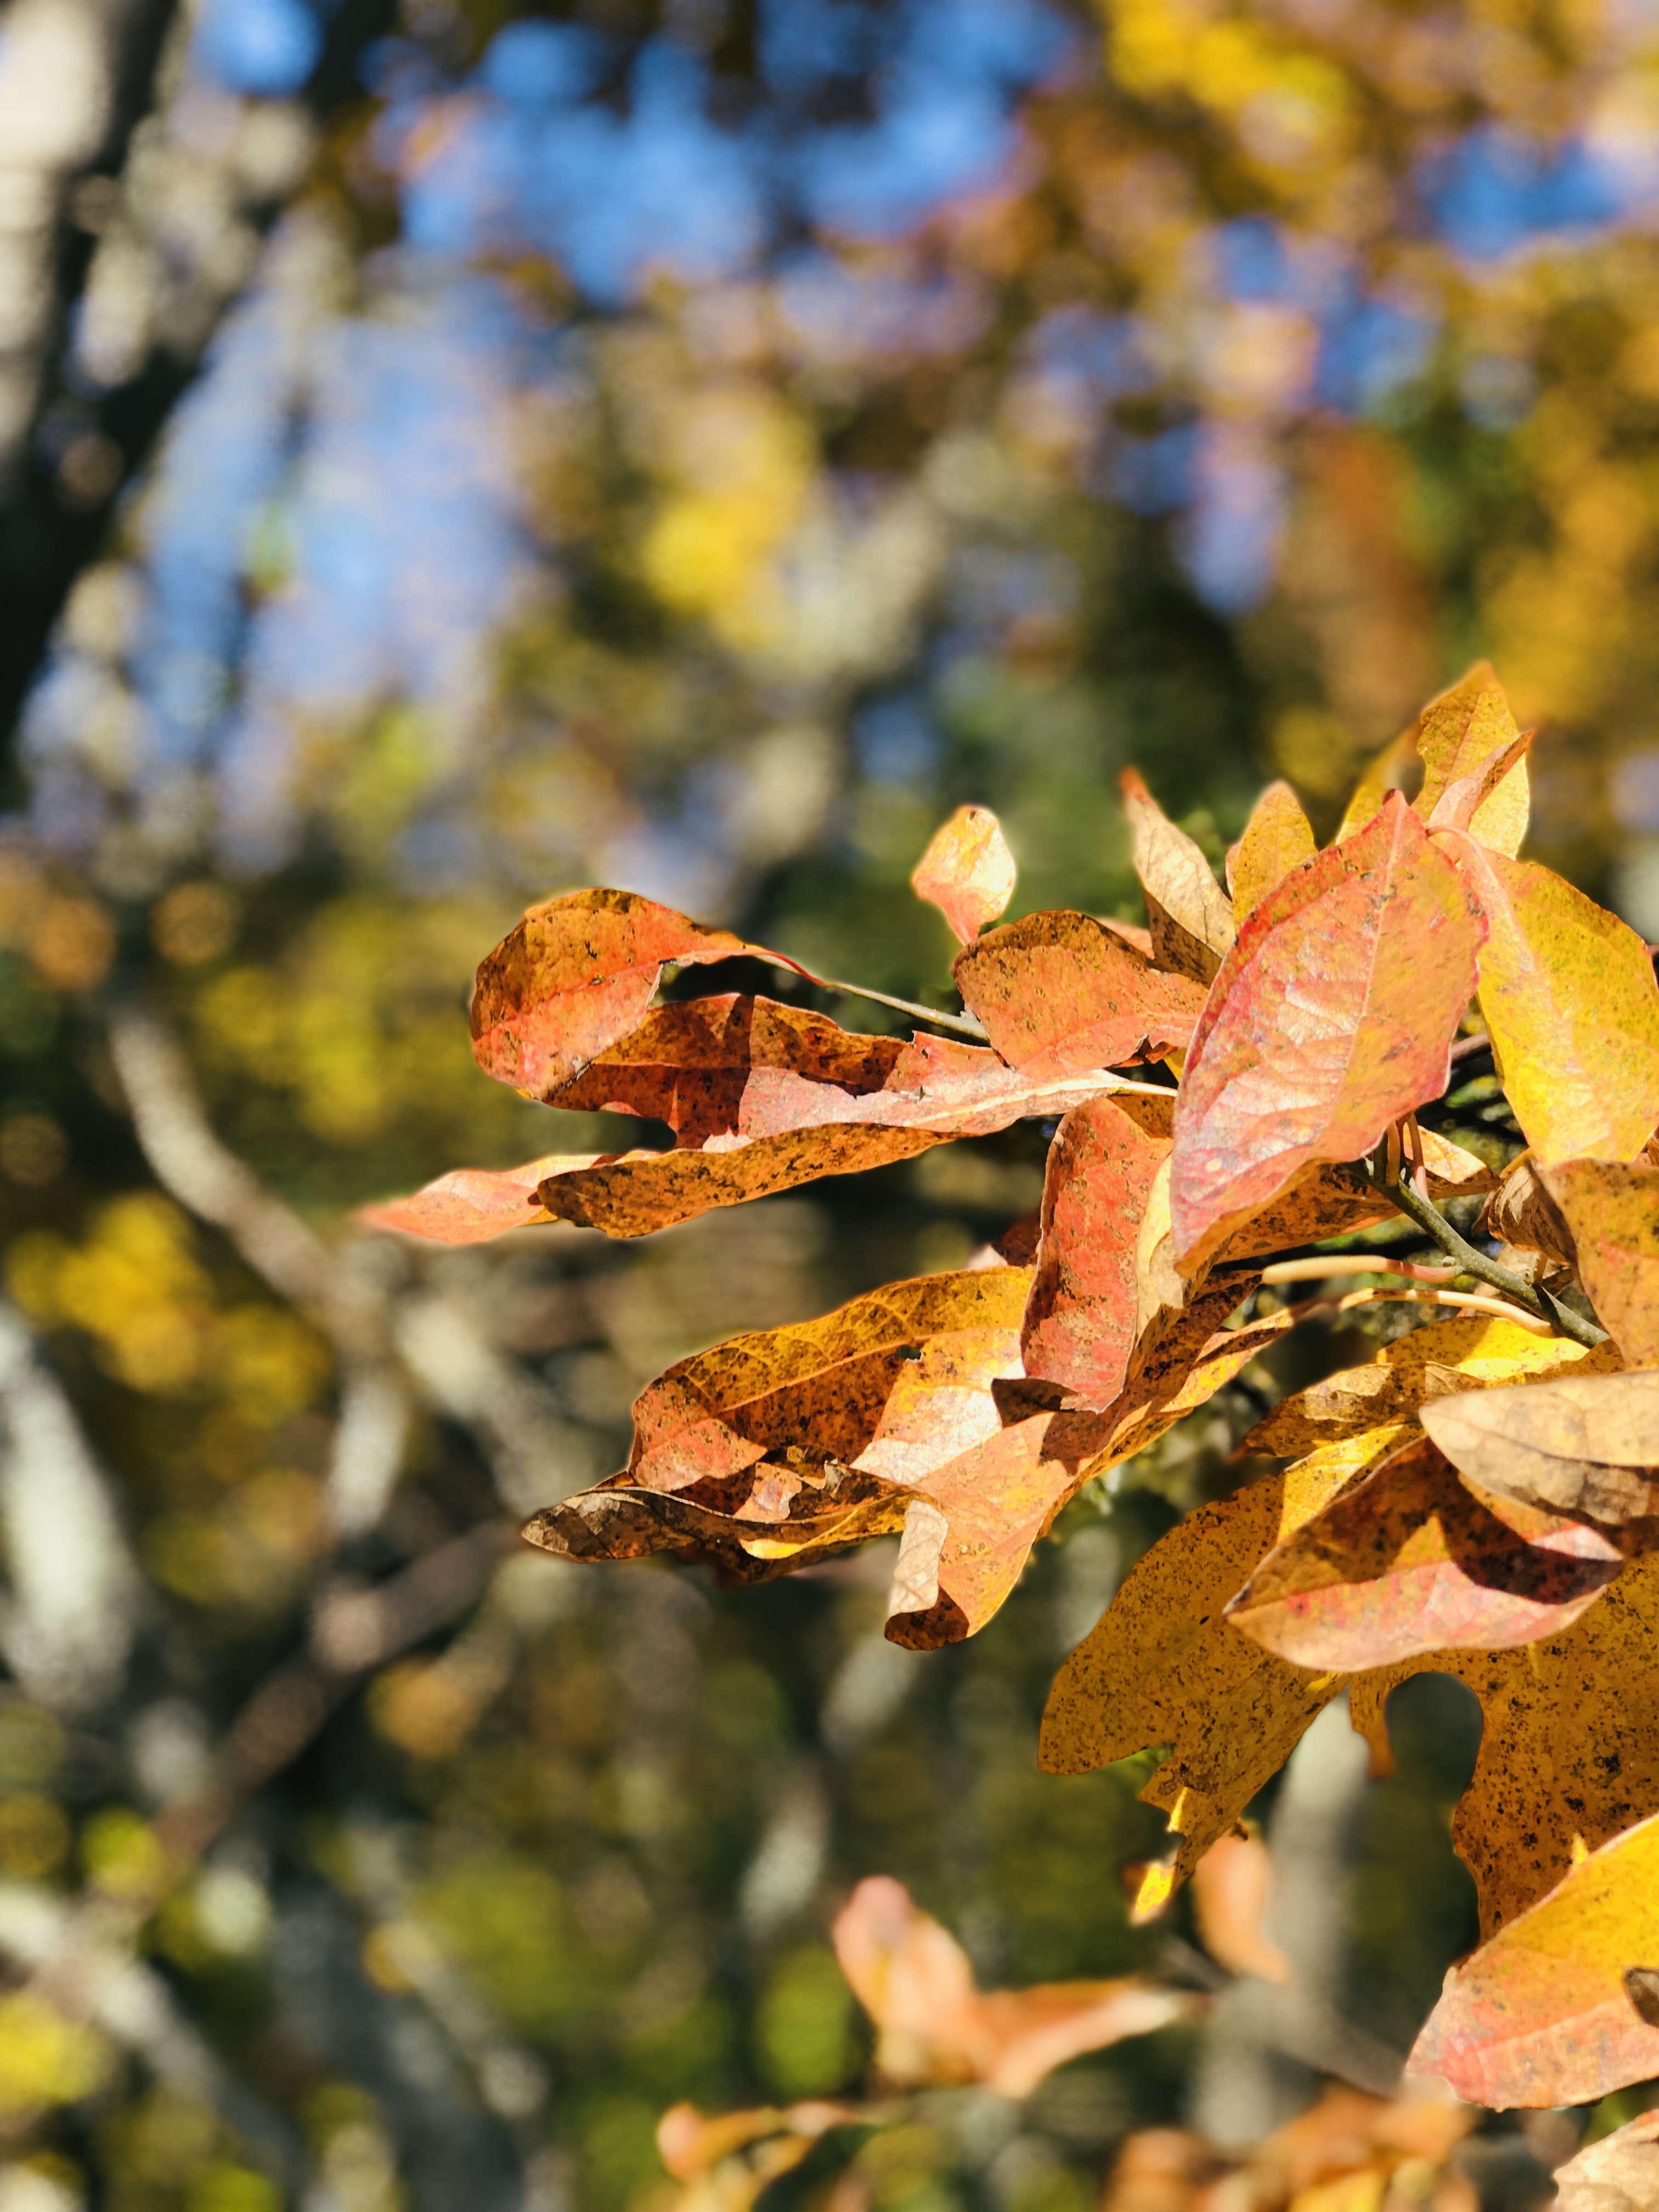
[
  {"x": 1277, "y": 838},
  {"x": 574, "y": 974},
  {"x": 1190, "y": 915},
  {"x": 1620, "y": 2173},
  {"x": 1163, "y": 1667},
  {"x": 967, "y": 871},
  {"x": 1585, "y": 1445},
  {"x": 1392, "y": 770},
  {"x": 1081, "y": 1323},
  {"x": 934, "y": 2027},
  {"x": 1407, "y": 1560},
  {"x": 1231, "y": 1885},
  {"x": 1567, "y": 992},
  {"x": 1611, "y": 1212},
  {"x": 1569, "y": 1747},
  {"x": 1062, "y": 993},
  {"x": 1334, "y": 1199},
  {"x": 1447, "y": 1356},
  {"x": 1521, "y": 1212},
  {"x": 1462, "y": 738},
  {"x": 469, "y": 1205},
  {"x": 728, "y": 2162},
  {"x": 1331, "y": 1016},
  {"x": 1540, "y": 2016}
]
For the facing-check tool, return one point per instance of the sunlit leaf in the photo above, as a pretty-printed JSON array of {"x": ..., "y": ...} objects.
[
  {"x": 1277, "y": 838},
  {"x": 1190, "y": 915},
  {"x": 1587, "y": 1445},
  {"x": 1467, "y": 738},
  {"x": 1231, "y": 1885},
  {"x": 1612, "y": 1216},
  {"x": 1620, "y": 2174},
  {"x": 967, "y": 871},
  {"x": 1331, "y": 1016},
  {"x": 1540, "y": 2016},
  {"x": 1061, "y": 991}
]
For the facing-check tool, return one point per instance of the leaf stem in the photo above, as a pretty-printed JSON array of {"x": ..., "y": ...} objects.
[
  {"x": 1429, "y": 1218},
  {"x": 963, "y": 1025}
]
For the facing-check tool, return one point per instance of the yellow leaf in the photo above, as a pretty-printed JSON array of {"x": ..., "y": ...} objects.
[
  {"x": 1611, "y": 1212},
  {"x": 1458, "y": 735},
  {"x": 1190, "y": 915},
  {"x": 1277, "y": 838}
]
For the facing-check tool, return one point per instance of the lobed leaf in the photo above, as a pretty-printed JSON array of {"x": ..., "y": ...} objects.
[
  {"x": 1331, "y": 1016},
  {"x": 1407, "y": 1560},
  {"x": 1585, "y": 1445},
  {"x": 1190, "y": 916},
  {"x": 1062, "y": 993},
  {"x": 1611, "y": 1213},
  {"x": 967, "y": 871},
  {"x": 1278, "y": 837},
  {"x": 1472, "y": 756},
  {"x": 576, "y": 974},
  {"x": 1540, "y": 2014},
  {"x": 1567, "y": 992}
]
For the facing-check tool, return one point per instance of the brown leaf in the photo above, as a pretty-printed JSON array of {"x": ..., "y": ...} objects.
[
  {"x": 1277, "y": 838},
  {"x": 1163, "y": 1667},
  {"x": 1620, "y": 2174},
  {"x": 934, "y": 2027},
  {"x": 1521, "y": 1212},
  {"x": 1612, "y": 1218},
  {"x": 1567, "y": 992},
  {"x": 1585, "y": 1445},
  {"x": 1407, "y": 1560},
  {"x": 576, "y": 974},
  {"x": 1232, "y": 1884},
  {"x": 1447, "y": 1356},
  {"x": 1463, "y": 739},
  {"x": 1062, "y": 993},
  {"x": 1540, "y": 2014},
  {"x": 967, "y": 871},
  {"x": 1569, "y": 1749},
  {"x": 1081, "y": 1323},
  {"x": 1190, "y": 915},
  {"x": 1333, "y": 1015}
]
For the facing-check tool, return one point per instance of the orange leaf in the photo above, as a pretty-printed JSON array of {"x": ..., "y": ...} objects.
[
  {"x": 1611, "y": 1213},
  {"x": 1231, "y": 1887},
  {"x": 576, "y": 974},
  {"x": 1407, "y": 1560},
  {"x": 967, "y": 871},
  {"x": 469, "y": 1205},
  {"x": 1473, "y": 758},
  {"x": 1587, "y": 1445},
  {"x": 1540, "y": 2014},
  {"x": 934, "y": 2027},
  {"x": 1190, "y": 915},
  {"x": 1568, "y": 993},
  {"x": 1061, "y": 991},
  {"x": 1331, "y": 1016},
  {"x": 1277, "y": 838}
]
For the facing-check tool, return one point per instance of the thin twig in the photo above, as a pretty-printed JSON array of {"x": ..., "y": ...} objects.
[
  {"x": 1466, "y": 1301},
  {"x": 1320, "y": 1265},
  {"x": 963, "y": 1025},
  {"x": 1471, "y": 1261}
]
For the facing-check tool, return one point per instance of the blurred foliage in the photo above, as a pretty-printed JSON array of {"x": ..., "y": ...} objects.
[{"x": 695, "y": 447}]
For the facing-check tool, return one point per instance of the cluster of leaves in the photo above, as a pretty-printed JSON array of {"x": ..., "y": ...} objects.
[{"x": 1480, "y": 1498}]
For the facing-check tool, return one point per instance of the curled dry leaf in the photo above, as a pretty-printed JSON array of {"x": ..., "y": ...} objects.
[
  {"x": 1231, "y": 1885},
  {"x": 1611, "y": 1212},
  {"x": 1540, "y": 2016},
  {"x": 1333, "y": 1016},
  {"x": 1407, "y": 1560},
  {"x": 1062, "y": 993},
  {"x": 1567, "y": 992},
  {"x": 1473, "y": 762},
  {"x": 1569, "y": 1747},
  {"x": 1163, "y": 1666},
  {"x": 1587, "y": 1445},
  {"x": 1521, "y": 1212},
  {"x": 1190, "y": 916},
  {"x": 934, "y": 2027},
  {"x": 1620, "y": 2174},
  {"x": 967, "y": 871},
  {"x": 1277, "y": 838},
  {"x": 576, "y": 974}
]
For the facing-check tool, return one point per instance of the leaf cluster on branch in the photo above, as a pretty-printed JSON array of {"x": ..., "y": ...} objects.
[{"x": 1236, "y": 1086}]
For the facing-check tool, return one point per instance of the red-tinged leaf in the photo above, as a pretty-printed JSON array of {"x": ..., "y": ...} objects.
[
  {"x": 1567, "y": 992},
  {"x": 934, "y": 2027},
  {"x": 1540, "y": 2016},
  {"x": 1620, "y": 2173},
  {"x": 1583, "y": 1445},
  {"x": 1190, "y": 916},
  {"x": 1407, "y": 1561},
  {"x": 1277, "y": 838},
  {"x": 1232, "y": 1884},
  {"x": 967, "y": 871},
  {"x": 1611, "y": 1217},
  {"x": 1080, "y": 1325},
  {"x": 469, "y": 1205},
  {"x": 576, "y": 974},
  {"x": 1062, "y": 993},
  {"x": 1474, "y": 774},
  {"x": 1333, "y": 1016}
]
